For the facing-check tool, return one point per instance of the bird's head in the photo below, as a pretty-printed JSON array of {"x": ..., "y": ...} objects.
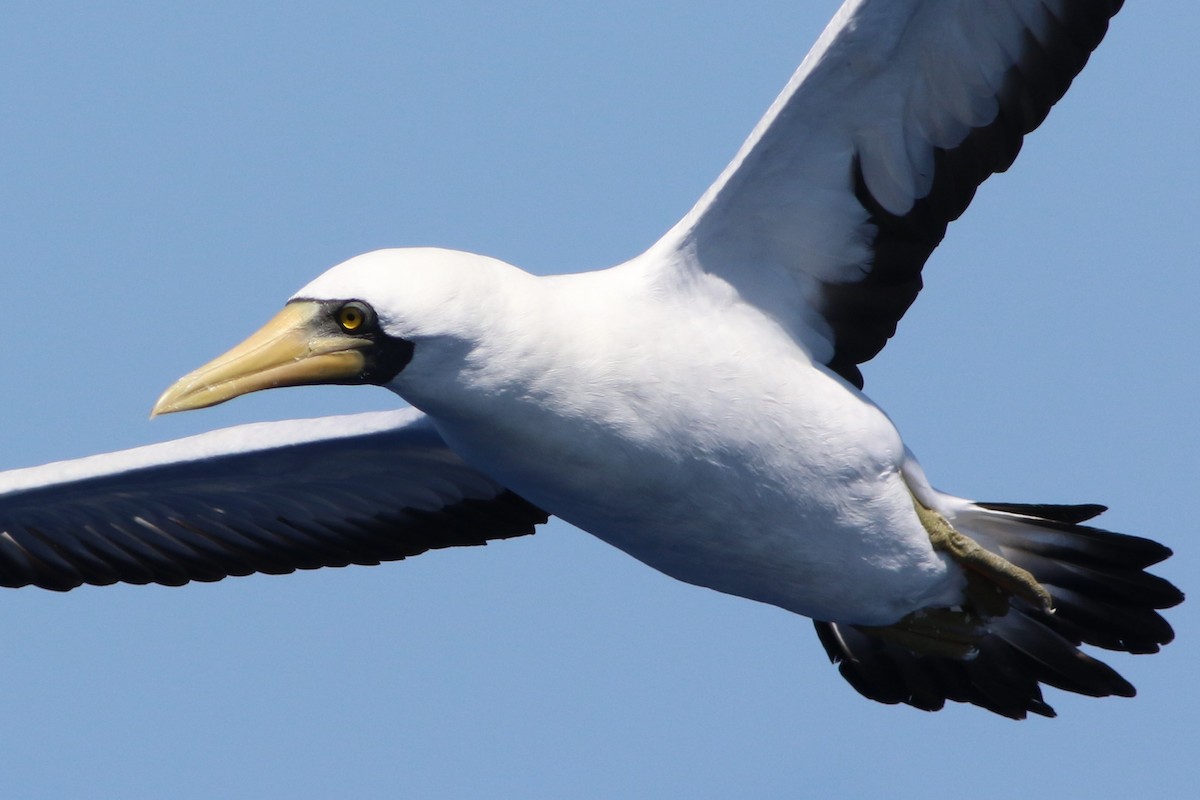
[{"x": 361, "y": 322}]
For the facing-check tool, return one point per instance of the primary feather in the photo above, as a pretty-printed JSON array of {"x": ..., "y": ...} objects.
[{"x": 698, "y": 407}]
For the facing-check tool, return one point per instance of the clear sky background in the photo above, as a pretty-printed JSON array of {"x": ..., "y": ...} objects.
[{"x": 170, "y": 174}]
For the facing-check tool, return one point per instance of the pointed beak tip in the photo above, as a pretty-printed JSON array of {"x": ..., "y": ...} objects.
[
  {"x": 285, "y": 352},
  {"x": 169, "y": 401}
]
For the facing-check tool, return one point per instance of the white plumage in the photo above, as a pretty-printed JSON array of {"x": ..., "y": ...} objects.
[{"x": 698, "y": 407}]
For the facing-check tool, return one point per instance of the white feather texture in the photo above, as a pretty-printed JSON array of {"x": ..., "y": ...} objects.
[{"x": 698, "y": 407}]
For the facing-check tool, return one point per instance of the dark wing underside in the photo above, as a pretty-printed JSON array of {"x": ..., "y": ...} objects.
[
  {"x": 273, "y": 498},
  {"x": 829, "y": 212}
]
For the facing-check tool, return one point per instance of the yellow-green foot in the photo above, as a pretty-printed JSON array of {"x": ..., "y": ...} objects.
[
  {"x": 990, "y": 578},
  {"x": 943, "y": 632},
  {"x": 992, "y": 581}
]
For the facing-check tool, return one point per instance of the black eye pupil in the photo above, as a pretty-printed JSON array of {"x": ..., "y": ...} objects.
[{"x": 351, "y": 317}]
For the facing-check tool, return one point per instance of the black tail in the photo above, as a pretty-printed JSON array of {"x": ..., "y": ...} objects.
[{"x": 1102, "y": 596}]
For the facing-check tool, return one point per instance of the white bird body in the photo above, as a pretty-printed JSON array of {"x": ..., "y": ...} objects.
[
  {"x": 698, "y": 407},
  {"x": 686, "y": 427}
]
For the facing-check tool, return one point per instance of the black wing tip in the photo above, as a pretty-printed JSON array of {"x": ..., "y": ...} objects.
[
  {"x": 171, "y": 550},
  {"x": 864, "y": 314}
]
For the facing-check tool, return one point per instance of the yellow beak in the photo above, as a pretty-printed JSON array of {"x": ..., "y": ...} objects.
[{"x": 293, "y": 349}]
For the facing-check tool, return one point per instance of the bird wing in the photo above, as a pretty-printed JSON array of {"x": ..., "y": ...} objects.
[
  {"x": 271, "y": 497},
  {"x": 903, "y": 107}
]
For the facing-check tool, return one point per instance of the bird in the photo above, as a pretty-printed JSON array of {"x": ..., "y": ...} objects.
[{"x": 700, "y": 406}]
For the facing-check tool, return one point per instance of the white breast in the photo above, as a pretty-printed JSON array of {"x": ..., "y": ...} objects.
[{"x": 695, "y": 436}]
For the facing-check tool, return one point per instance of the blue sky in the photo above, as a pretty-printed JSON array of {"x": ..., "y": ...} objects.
[{"x": 170, "y": 175}]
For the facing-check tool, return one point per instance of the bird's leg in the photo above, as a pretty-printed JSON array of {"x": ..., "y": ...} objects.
[
  {"x": 991, "y": 581},
  {"x": 940, "y": 632},
  {"x": 990, "y": 578}
]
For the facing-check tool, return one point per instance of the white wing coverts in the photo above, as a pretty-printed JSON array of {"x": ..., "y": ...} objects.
[
  {"x": 827, "y": 214},
  {"x": 660, "y": 406}
]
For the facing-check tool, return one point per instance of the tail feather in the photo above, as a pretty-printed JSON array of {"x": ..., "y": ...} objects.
[
  {"x": 1083, "y": 544},
  {"x": 1102, "y": 597},
  {"x": 1005, "y": 681},
  {"x": 1119, "y": 586},
  {"x": 1110, "y": 626},
  {"x": 1057, "y": 661},
  {"x": 922, "y": 688},
  {"x": 1071, "y": 514}
]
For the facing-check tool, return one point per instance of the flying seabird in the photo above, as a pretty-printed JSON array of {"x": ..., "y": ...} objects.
[{"x": 698, "y": 407}]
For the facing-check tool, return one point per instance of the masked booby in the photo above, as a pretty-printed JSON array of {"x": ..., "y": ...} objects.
[{"x": 698, "y": 407}]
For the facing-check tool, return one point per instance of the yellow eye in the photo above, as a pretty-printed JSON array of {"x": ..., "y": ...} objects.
[{"x": 351, "y": 317}]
